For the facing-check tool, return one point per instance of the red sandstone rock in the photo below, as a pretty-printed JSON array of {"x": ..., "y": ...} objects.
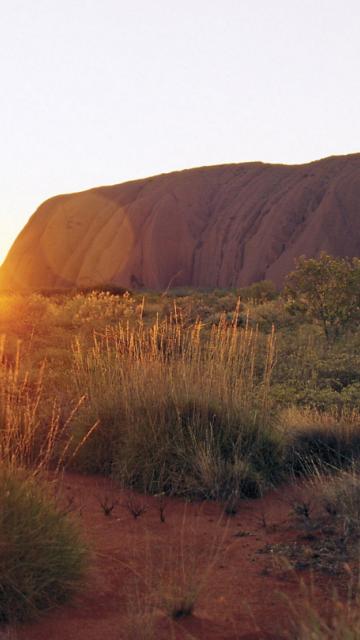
[{"x": 220, "y": 226}]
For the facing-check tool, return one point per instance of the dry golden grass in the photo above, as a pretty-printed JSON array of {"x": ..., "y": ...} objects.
[
  {"x": 326, "y": 440},
  {"x": 27, "y": 441},
  {"x": 304, "y": 418},
  {"x": 180, "y": 409},
  {"x": 168, "y": 404},
  {"x": 171, "y": 581},
  {"x": 339, "y": 620}
]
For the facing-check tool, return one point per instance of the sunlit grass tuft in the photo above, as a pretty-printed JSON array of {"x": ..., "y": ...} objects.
[{"x": 180, "y": 410}]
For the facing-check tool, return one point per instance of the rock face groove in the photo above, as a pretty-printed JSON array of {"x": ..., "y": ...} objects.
[{"x": 219, "y": 226}]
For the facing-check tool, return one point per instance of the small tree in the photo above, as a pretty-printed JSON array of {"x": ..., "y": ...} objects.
[{"x": 327, "y": 290}]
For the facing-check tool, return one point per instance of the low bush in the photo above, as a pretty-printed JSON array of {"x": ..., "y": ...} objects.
[
  {"x": 321, "y": 440},
  {"x": 42, "y": 557},
  {"x": 341, "y": 497}
]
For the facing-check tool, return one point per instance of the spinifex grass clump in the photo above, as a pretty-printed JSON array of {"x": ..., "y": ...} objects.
[
  {"x": 42, "y": 557},
  {"x": 181, "y": 409},
  {"x": 317, "y": 439},
  {"x": 41, "y": 554},
  {"x": 341, "y": 498}
]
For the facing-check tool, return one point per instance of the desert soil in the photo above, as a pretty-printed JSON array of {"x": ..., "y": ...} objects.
[{"x": 138, "y": 563}]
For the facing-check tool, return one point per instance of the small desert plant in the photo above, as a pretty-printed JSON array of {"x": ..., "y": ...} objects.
[
  {"x": 135, "y": 506},
  {"x": 42, "y": 557},
  {"x": 173, "y": 579},
  {"x": 339, "y": 619},
  {"x": 139, "y": 622},
  {"x": 326, "y": 439},
  {"x": 232, "y": 504},
  {"x": 181, "y": 574},
  {"x": 341, "y": 499},
  {"x": 107, "y": 504},
  {"x": 302, "y": 509},
  {"x": 161, "y": 506},
  {"x": 178, "y": 599},
  {"x": 179, "y": 585}
]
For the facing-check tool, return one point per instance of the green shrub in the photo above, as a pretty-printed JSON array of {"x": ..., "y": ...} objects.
[
  {"x": 42, "y": 557},
  {"x": 259, "y": 292},
  {"x": 321, "y": 440},
  {"x": 326, "y": 289},
  {"x": 341, "y": 495}
]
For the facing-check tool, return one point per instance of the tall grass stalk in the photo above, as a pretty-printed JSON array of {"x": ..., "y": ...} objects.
[
  {"x": 173, "y": 577},
  {"x": 181, "y": 409},
  {"x": 339, "y": 620},
  {"x": 32, "y": 436}
]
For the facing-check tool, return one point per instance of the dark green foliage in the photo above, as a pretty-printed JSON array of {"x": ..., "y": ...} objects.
[
  {"x": 192, "y": 450},
  {"x": 341, "y": 499},
  {"x": 326, "y": 289},
  {"x": 327, "y": 449},
  {"x": 42, "y": 558},
  {"x": 259, "y": 292},
  {"x": 311, "y": 372}
]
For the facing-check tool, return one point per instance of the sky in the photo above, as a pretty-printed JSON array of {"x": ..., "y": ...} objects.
[{"x": 98, "y": 92}]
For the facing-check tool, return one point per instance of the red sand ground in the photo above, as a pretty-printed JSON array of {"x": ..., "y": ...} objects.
[{"x": 240, "y": 600}]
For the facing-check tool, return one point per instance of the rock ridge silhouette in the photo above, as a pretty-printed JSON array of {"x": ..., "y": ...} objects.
[{"x": 218, "y": 226}]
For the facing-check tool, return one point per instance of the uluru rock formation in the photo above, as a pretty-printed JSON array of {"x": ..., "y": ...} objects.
[{"x": 218, "y": 226}]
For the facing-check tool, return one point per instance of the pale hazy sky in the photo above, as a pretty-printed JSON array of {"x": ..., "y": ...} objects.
[{"x": 101, "y": 91}]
